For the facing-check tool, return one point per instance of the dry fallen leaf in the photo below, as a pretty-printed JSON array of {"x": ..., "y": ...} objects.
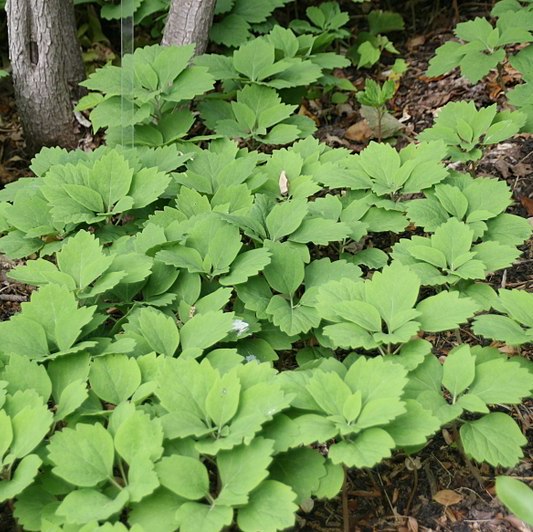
[
  {"x": 528, "y": 204},
  {"x": 415, "y": 42},
  {"x": 447, "y": 497},
  {"x": 359, "y": 132},
  {"x": 283, "y": 183}
]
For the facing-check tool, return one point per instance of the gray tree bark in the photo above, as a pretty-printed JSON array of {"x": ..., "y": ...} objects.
[
  {"x": 189, "y": 22},
  {"x": 47, "y": 67}
]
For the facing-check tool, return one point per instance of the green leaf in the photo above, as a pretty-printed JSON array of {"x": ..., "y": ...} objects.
[
  {"x": 139, "y": 437},
  {"x": 159, "y": 330},
  {"x": 517, "y": 496},
  {"x": 445, "y": 311},
  {"x": 271, "y": 507},
  {"x": 142, "y": 478},
  {"x": 329, "y": 391},
  {"x": 223, "y": 399},
  {"x": 301, "y": 469},
  {"x": 183, "y": 475},
  {"x": 366, "y": 450},
  {"x": 285, "y": 273},
  {"x": 414, "y": 426},
  {"x": 196, "y": 517},
  {"x": 246, "y": 265},
  {"x": 502, "y": 381},
  {"x": 82, "y": 258},
  {"x": 292, "y": 320},
  {"x": 286, "y": 217},
  {"x": 156, "y": 512},
  {"x": 23, "y": 477},
  {"x": 500, "y": 328},
  {"x": 204, "y": 330},
  {"x": 6, "y": 433},
  {"x": 393, "y": 291},
  {"x": 71, "y": 398},
  {"x": 242, "y": 469},
  {"x": 86, "y": 505},
  {"x": 458, "y": 370},
  {"x": 24, "y": 374},
  {"x": 494, "y": 438},
  {"x": 114, "y": 378},
  {"x": 56, "y": 309},
  {"x": 111, "y": 177},
  {"x": 82, "y": 456},
  {"x": 30, "y": 421}
]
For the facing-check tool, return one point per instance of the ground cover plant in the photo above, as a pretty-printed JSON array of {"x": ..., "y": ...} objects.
[{"x": 212, "y": 339}]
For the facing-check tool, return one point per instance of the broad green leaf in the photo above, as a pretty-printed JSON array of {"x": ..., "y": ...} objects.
[
  {"x": 82, "y": 456},
  {"x": 301, "y": 469},
  {"x": 71, "y": 398},
  {"x": 159, "y": 330},
  {"x": 414, "y": 426},
  {"x": 519, "y": 305},
  {"x": 500, "y": 328},
  {"x": 56, "y": 309},
  {"x": 24, "y": 374},
  {"x": 6, "y": 433},
  {"x": 502, "y": 381},
  {"x": 366, "y": 450},
  {"x": 285, "y": 273},
  {"x": 445, "y": 311},
  {"x": 271, "y": 507},
  {"x": 292, "y": 320},
  {"x": 196, "y": 517},
  {"x": 139, "y": 437},
  {"x": 30, "y": 421},
  {"x": 246, "y": 265},
  {"x": 183, "y": 475},
  {"x": 204, "y": 330},
  {"x": 242, "y": 469},
  {"x": 142, "y": 478},
  {"x": 82, "y": 258},
  {"x": 286, "y": 217},
  {"x": 329, "y": 391},
  {"x": 86, "y": 505},
  {"x": 156, "y": 512},
  {"x": 393, "y": 291},
  {"x": 517, "y": 496},
  {"x": 494, "y": 438},
  {"x": 114, "y": 378},
  {"x": 223, "y": 399},
  {"x": 23, "y": 476},
  {"x": 458, "y": 370}
]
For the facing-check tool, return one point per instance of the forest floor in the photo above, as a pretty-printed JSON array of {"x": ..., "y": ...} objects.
[{"x": 437, "y": 490}]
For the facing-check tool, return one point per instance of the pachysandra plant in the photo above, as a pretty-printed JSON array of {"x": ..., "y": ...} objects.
[
  {"x": 482, "y": 46},
  {"x": 449, "y": 255},
  {"x": 520, "y": 96},
  {"x": 515, "y": 323},
  {"x": 385, "y": 311},
  {"x": 479, "y": 202},
  {"x": 148, "y": 96},
  {"x": 474, "y": 379},
  {"x": 236, "y": 21},
  {"x": 467, "y": 131},
  {"x": 370, "y": 44}
]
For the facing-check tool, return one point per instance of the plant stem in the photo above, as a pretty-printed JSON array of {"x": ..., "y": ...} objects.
[{"x": 345, "y": 508}]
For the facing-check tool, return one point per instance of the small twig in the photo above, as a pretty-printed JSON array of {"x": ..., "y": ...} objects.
[{"x": 13, "y": 297}]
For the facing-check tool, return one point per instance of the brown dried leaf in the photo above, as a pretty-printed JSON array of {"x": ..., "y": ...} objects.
[
  {"x": 447, "y": 497},
  {"x": 359, "y": 132},
  {"x": 528, "y": 204},
  {"x": 412, "y": 524},
  {"x": 415, "y": 42}
]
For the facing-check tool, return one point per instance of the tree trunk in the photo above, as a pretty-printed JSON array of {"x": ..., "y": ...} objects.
[
  {"x": 189, "y": 22},
  {"x": 47, "y": 67}
]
